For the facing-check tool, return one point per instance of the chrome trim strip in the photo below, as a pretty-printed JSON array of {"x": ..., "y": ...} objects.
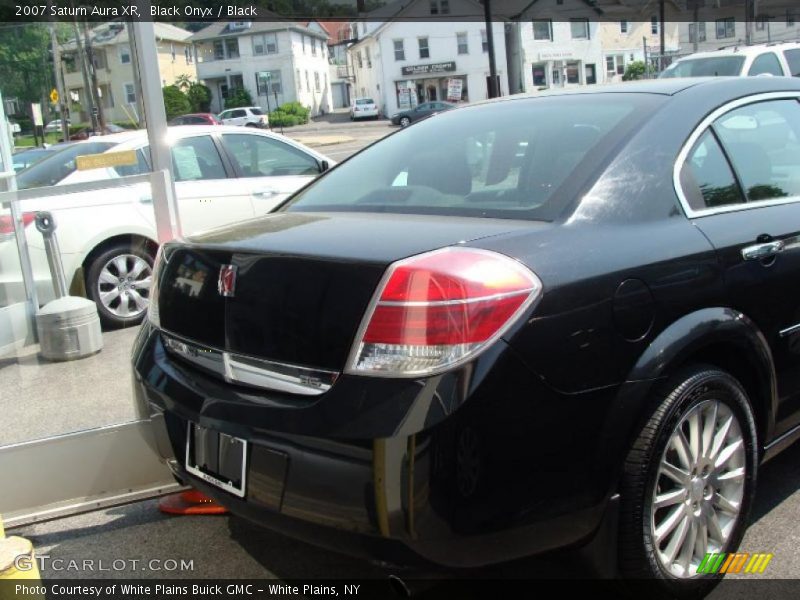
[
  {"x": 789, "y": 330},
  {"x": 698, "y": 131},
  {"x": 457, "y": 302},
  {"x": 251, "y": 371}
]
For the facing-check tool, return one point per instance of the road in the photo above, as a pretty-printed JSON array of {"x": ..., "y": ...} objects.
[{"x": 353, "y": 136}]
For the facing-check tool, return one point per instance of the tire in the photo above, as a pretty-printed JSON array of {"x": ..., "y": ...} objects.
[
  {"x": 251, "y": 125},
  {"x": 701, "y": 485},
  {"x": 405, "y": 122},
  {"x": 120, "y": 303}
]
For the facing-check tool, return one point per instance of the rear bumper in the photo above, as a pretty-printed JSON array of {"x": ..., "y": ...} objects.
[{"x": 458, "y": 492}]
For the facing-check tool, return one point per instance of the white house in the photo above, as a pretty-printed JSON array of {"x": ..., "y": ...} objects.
[
  {"x": 403, "y": 62},
  {"x": 548, "y": 51},
  {"x": 277, "y": 62}
]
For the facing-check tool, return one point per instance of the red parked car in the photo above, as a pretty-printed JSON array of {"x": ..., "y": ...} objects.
[{"x": 196, "y": 119}]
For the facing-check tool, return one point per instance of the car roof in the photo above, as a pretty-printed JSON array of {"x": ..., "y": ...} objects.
[{"x": 741, "y": 50}]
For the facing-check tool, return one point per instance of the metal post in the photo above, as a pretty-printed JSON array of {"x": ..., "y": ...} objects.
[
  {"x": 88, "y": 96},
  {"x": 661, "y": 18},
  {"x": 101, "y": 116},
  {"x": 166, "y": 211},
  {"x": 492, "y": 82},
  {"x": 16, "y": 219},
  {"x": 62, "y": 101}
]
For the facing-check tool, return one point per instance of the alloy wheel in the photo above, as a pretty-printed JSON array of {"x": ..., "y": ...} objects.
[
  {"x": 124, "y": 285},
  {"x": 699, "y": 488}
]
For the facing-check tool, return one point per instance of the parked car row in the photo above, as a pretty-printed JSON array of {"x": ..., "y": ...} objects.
[
  {"x": 108, "y": 240},
  {"x": 245, "y": 116}
]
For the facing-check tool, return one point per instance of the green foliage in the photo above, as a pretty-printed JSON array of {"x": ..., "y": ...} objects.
[
  {"x": 183, "y": 82},
  {"x": 634, "y": 70},
  {"x": 25, "y": 67},
  {"x": 175, "y": 101},
  {"x": 199, "y": 97},
  {"x": 291, "y": 113},
  {"x": 238, "y": 97}
]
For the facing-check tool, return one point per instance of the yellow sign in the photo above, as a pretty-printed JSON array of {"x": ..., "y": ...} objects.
[
  {"x": 107, "y": 159},
  {"x": 54, "y": 95}
]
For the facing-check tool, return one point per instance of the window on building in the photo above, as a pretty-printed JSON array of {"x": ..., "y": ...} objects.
[
  {"x": 399, "y": 50},
  {"x": 265, "y": 44},
  {"x": 623, "y": 27},
  {"x": 697, "y": 32},
  {"x": 99, "y": 59},
  {"x": 313, "y": 46},
  {"x": 68, "y": 60},
  {"x": 125, "y": 54},
  {"x": 232, "y": 48},
  {"x": 726, "y": 28},
  {"x": 359, "y": 60},
  {"x": 573, "y": 72},
  {"x": 615, "y": 64},
  {"x": 539, "y": 75},
  {"x": 789, "y": 17},
  {"x": 308, "y": 85},
  {"x": 188, "y": 55},
  {"x": 219, "y": 50},
  {"x": 543, "y": 29},
  {"x": 579, "y": 28},
  {"x": 654, "y": 25},
  {"x": 268, "y": 83},
  {"x": 461, "y": 41},
  {"x": 761, "y": 23},
  {"x": 303, "y": 42},
  {"x": 172, "y": 51},
  {"x": 130, "y": 93},
  {"x": 368, "y": 57},
  {"x": 298, "y": 80},
  {"x": 424, "y": 51},
  {"x": 440, "y": 7},
  {"x": 484, "y": 41},
  {"x": 610, "y": 65},
  {"x": 316, "y": 81}
]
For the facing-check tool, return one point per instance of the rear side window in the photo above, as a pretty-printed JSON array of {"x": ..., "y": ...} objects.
[
  {"x": 196, "y": 158},
  {"x": 51, "y": 170},
  {"x": 256, "y": 111},
  {"x": 762, "y": 141},
  {"x": 139, "y": 168},
  {"x": 365, "y": 101},
  {"x": 718, "y": 66},
  {"x": 793, "y": 59},
  {"x": 707, "y": 178},
  {"x": 766, "y": 64},
  {"x": 522, "y": 159},
  {"x": 261, "y": 156}
]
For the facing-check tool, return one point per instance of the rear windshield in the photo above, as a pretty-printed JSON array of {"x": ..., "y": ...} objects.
[
  {"x": 256, "y": 111},
  {"x": 365, "y": 101},
  {"x": 51, "y": 170},
  {"x": 717, "y": 66},
  {"x": 521, "y": 159}
]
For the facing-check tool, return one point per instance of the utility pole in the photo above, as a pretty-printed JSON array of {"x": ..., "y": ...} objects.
[
  {"x": 661, "y": 18},
  {"x": 493, "y": 81},
  {"x": 88, "y": 96},
  {"x": 696, "y": 19},
  {"x": 62, "y": 101},
  {"x": 93, "y": 74}
]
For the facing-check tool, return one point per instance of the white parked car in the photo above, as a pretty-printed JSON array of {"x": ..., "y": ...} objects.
[
  {"x": 54, "y": 125},
  {"x": 108, "y": 237},
  {"x": 776, "y": 59},
  {"x": 364, "y": 108},
  {"x": 248, "y": 116}
]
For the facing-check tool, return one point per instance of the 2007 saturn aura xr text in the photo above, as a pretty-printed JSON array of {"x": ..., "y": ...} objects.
[{"x": 482, "y": 335}]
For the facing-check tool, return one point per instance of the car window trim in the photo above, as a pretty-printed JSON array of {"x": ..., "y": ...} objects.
[{"x": 692, "y": 140}]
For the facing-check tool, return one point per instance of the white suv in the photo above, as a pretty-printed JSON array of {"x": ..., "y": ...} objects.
[
  {"x": 108, "y": 237},
  {"x": 778, "y": 59},
  {"x": 248, "y": 116}
]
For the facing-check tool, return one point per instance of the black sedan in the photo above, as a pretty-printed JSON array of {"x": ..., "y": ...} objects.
[
  {"x": 515, "y": 327},
  {"x": 406, "y": 117}
]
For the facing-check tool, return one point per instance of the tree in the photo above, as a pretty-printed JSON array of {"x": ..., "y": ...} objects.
[
  {"x": 175, "y": 101},
  {"x": 238, "y": 97},
  {"x": 199, "y": 97},
  {"x": 634, "y": 70}
]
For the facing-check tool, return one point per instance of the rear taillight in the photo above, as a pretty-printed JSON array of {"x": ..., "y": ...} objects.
[
  {"x": 439, "y": 309},
  {"x": 7, "y": 224}
]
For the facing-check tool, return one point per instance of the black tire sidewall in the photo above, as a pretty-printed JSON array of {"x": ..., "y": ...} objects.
[
  {"x": 678, "y": 396},
  {"x": 108, "y": 319}
]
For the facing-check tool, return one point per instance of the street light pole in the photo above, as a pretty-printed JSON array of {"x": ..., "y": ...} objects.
[{"x": 493, "y": 81}]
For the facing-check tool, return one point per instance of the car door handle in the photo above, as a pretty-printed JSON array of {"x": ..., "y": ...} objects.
[
  {"x": 761, "y": 251},
  {"x": 265, "y": 193}
]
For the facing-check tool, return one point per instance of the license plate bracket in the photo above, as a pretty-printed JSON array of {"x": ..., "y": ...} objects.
[{"x": 218, "y": 458}]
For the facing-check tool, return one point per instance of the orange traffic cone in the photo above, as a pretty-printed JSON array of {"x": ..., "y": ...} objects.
[{"x": 190, "y": 502}]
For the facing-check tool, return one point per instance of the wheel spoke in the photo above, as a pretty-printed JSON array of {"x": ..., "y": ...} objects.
[
  {"x": 725, "y": 505},
  {"x": 688, "y": 548},
  {"x": 714, "y": 528},
  {"x": 727, "y": 453},
  {"x": 123, "y": 310},
  {"x": 701, "y": 543},
  {"x": 678, "y": 538},
  {"x": 670, "y": 498},
  {"x": 682, "y": 448},
  {"x": 708, "y": 428},
  {"x": 677, "y": 474},
  {"x": 719, "y": 437},
  {"x": 144, "y": 284},
  {"x": 107, "y": 277},
  {"x": 732, "y": 475},
  {"x": 121, "y": 263},
  {"x": 694, "y": 435},
  {"x": 108, "y": 297},
  {"x": 668, "y": 524},
  {"x": 138, "y": 266},
  {"x": 140, "y": 302}
]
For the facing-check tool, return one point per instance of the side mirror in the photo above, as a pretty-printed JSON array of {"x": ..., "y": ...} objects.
[{"x": 324, "y": 166}]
